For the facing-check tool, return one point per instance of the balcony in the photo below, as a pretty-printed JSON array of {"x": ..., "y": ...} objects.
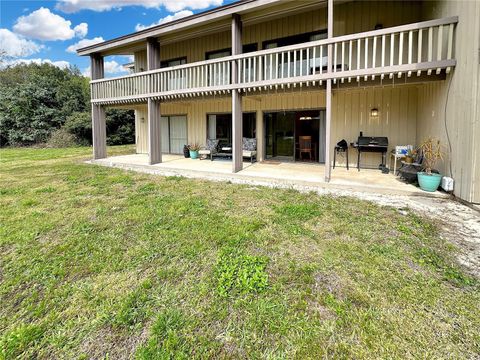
[{"x": 408, "y": 50}]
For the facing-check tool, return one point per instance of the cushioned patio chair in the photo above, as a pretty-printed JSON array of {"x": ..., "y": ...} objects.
[
  {"x": 210, "y": 149},
  {"x": 249, "y": 147}
]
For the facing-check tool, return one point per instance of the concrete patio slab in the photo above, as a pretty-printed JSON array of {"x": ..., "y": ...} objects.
[{"x": 269, "y": 173}]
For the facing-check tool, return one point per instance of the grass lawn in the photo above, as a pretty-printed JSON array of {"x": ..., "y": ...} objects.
[{"x": 101, "y": 263}]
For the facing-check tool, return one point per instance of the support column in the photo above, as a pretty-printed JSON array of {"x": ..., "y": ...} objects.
[
  {"x": 154, "y": 113},
  {"x": 154, "y": 138},
  {"x": 99, "y": 127},
  {"x": 328, "y": 126},
  {"x": 153, "y": 54},
  {"x": 260, "y": 136},
  {"x": 328, "y": 112},
  {"x": 237, "y": 113}
]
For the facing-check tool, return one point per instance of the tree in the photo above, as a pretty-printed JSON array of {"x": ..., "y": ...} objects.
[{"x": 36, "y": 100}]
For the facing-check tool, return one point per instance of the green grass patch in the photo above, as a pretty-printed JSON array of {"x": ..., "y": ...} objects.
[
  {"x": 238, "y": 273},
  {"x": 99, "y": 263}
]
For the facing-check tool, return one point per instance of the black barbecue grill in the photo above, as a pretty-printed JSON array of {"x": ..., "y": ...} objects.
[{"x": 378, "y": 144}]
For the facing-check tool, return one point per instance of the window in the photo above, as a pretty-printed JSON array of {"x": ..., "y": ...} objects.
[
  {"x": 219, "y": 127},
  {"x": 173, "y": 62},
  {"x": 216, "y": 54},
  {"x": 174, "y": 82},
  {"x": 294, "y": 68},
  {"x": 217, "y": 77},
  {"x": 295, "y": 39}
]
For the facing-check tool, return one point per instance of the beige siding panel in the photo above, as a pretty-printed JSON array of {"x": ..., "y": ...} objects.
[
  {"x": 140, "y": 61},
  {"x": 141, "y": 130},
  {"x": 461, "y": 116},
  {"x": 476, "y": 152},
  {"x": 351, "y": 114},
  {"x": 349, "y": 18},
  {"x": 397, "y": 117}
]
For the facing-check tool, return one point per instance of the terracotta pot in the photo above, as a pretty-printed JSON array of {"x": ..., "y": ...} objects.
[{"x": 409, "y": 160}]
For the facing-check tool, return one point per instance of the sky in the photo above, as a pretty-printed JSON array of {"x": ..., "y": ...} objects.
[{"x": 50, "y": 31}]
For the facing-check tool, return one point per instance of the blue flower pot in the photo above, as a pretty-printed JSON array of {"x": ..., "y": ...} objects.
[
  {"x": 193, "y": 154},
  {"x": 429, "y": 182}
]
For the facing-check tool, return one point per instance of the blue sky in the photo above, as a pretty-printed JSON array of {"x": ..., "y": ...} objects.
[{"x": 50, "y": 31}]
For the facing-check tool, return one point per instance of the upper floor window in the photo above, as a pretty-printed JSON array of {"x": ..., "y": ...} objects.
[
  {"x": 228, "y": 51},
  {"x": 295, "y": 39},
  {"x": 221, "y": 74},
  {"x": 173, "y": 62}
]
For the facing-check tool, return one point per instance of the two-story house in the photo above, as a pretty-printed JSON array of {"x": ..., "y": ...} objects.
[{"x": 284, "y": 72}]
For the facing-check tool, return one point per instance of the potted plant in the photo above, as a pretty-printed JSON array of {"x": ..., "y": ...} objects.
[
  {"x": 193, "y": 149},
  {"x": 410, "y": 156},
  {"x": 432, "y": 152}
]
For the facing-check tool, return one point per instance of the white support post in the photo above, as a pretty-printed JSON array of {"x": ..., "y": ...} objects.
[
  {"x": 237, "y": 113},
  {"x": 328, "y": 112},
  {"x": 153, "y": 107},
  {"x": 99, "y": 127}
]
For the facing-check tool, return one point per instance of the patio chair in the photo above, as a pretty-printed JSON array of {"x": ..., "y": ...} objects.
[
  {"x": 249, "y": 148},
  {"x": 209, "y": 149},
  {"x": 305, "y": 147}
]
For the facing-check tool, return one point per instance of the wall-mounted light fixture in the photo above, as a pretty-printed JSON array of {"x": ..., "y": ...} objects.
[
  {"x": 374, "y": 112},
  {"x": 305, "y": 118}
]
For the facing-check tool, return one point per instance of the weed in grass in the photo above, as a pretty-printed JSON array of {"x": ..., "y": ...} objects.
[
  {"x": 147, "y": 188},
  {"x": 238, "y": 273}
]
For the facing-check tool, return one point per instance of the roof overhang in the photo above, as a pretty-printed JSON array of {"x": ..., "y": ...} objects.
[{"x": 249, "y": 8}]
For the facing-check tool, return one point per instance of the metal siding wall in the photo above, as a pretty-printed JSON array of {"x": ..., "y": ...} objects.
[
  {"x": 350, "y": 18},
  {"x": 462, "y": 116},
  {"x": 351, "y": 113},
  {"x": 141, "y": 130},
  {"x": 397, "y": 118},
  {"x": 140, "y": 61}
]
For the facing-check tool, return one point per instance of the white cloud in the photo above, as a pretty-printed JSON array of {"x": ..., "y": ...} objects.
[
  {"x": 71, "y": 6},
  {"x": 110, "y": 67},
  {"x": 61, "y": 64},
  {"x": 81, "y": 30},
  {"x": 14, "y": 45},
  {"x": 44, "y": 25},
  {"x": 176, "y": 16},
  {"x": 84, "y": 43}
]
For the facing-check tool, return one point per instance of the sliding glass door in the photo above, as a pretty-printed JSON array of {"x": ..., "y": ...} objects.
[
  {"x": 295, "y": 135},
  {"x": 173, "y": 134},
  {"x": 280, "y": 135}
]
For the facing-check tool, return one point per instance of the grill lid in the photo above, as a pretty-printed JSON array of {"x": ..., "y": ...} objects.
[{"x": 372, "y": 141}]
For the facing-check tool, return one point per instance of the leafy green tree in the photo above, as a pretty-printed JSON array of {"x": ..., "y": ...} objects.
[
  {"x": 120, "y": 126},
  {"x": 36, "y": 100}
]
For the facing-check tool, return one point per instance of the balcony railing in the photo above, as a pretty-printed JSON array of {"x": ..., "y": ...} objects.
[{"x": 402, "y": 50}]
